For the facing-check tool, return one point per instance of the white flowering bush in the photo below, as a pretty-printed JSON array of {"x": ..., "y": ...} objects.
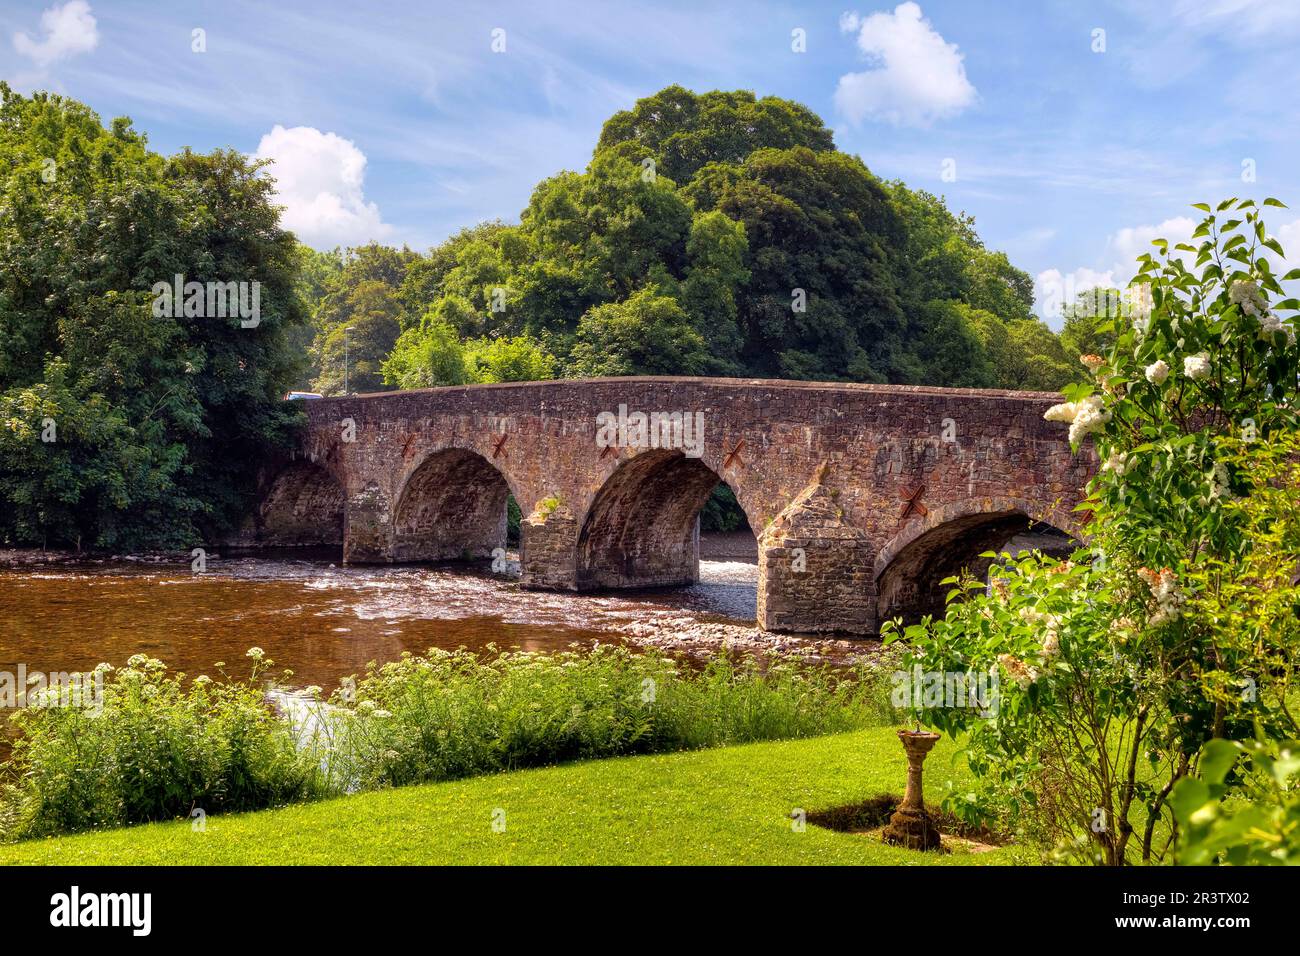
[
  {"x": 159, "y": 746},
  {"x": 1121, "y": 663}
]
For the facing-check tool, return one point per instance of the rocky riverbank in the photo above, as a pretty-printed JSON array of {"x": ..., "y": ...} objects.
[{"x": 690, "y": 635}]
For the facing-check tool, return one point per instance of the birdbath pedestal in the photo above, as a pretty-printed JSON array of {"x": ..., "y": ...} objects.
[{"x": 911, "y": 826}]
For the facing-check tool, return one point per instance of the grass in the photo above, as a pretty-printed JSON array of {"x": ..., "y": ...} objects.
[{"x": 728, "y": 805}]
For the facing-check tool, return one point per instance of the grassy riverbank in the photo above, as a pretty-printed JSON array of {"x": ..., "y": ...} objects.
[
  {"x": 728, "y": 805},
  {"x": 158, "y": 746}
]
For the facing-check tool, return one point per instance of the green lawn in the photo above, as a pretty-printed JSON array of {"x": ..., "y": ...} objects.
[{"x": 728, "y": 805}]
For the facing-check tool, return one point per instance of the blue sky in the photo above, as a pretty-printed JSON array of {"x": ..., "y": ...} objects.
[{"x": 397, "y": 120}]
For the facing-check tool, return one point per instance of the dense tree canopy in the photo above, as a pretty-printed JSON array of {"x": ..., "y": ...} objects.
[
  {"x": 121, "y": 424},
  {"x": 712, "y": 234}
]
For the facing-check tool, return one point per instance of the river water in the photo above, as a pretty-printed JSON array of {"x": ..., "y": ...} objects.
[{"x": 325, "y": 621}]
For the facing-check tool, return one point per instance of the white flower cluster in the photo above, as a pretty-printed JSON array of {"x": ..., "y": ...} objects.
[
  {"x": 1197, "y": 366},
  {"x": 1157, "y": 372},
  {"x": 1051, "y": 630},
  {"x": 1246, "y": 295},
  {"x": 1085, "y": 416},
  {"x": 1218, "y": 477},
  {"x": 1020, "y": 672},
  {"x": 1270, "y": 323},
  {"x": 1164, "y": 589},
  {"x": 1118, "y": 462}
]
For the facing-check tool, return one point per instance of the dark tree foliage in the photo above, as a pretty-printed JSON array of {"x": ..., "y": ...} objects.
[
  {"x": 822, "y": 299},
  {"x": 119, "y": 427},
  {"x": 784, "y": 257},
  {"x": 684, "y": 132}
]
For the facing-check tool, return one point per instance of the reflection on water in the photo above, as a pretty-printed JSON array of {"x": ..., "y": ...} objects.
[{"x": 320, "y": 620}]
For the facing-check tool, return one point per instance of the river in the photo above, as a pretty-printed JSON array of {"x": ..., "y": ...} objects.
[{"x": 325, "y": 621}]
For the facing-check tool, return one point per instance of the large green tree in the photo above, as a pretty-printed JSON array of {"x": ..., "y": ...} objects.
[
  {"x": 123, "y": 423},
  {"x": 684, "y": 131},
  {"x": 786, "y": 257}
]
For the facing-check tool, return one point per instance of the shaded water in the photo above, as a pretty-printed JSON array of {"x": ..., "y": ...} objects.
[{"x": 320, "y": 620}]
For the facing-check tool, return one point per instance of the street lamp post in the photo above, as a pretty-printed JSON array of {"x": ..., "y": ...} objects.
[{"x": 346, "y": 389}]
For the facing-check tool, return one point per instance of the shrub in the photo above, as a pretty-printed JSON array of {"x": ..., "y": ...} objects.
[
  {"x": 159, "y": 748},
  {"x": 1243, "y": 807},
  {"x": 163, "y": 746},
  {"x": 444, "y": 714},
  {"x": 1175, "y": 625}
]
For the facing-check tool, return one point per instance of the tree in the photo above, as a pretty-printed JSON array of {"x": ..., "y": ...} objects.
[
  {"x": 362, "y": 340},
  {"x": 517, "y": 359},
  {"x": 951, "y": 347},
  {"x": 1090, "y": 321},
  {"x": 789, "y": 258},
  {"x": 317, "y": 271},
  {"x": 821, "y": 300},
  {"x": 430, "y": 355},
  {"x": 648, "y": 334},
  {"x": 683, "y": 132},
  {"x": 363, "y": 294},
  {"x": 154, "y": 412}
]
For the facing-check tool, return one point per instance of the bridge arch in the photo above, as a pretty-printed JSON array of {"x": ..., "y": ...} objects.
[
  {"x": 641, "y": 528},
  {"x": 949, "y": 539},
  {"x": 304, "y": 506},
  {"x": 450, "y": 506}
]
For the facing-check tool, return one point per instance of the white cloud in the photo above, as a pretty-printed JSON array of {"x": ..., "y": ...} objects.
[
  {"x": 1235, "y": 19},
  {"x": 319, "y": 179},
  {"x": 1289, "y": 236},
  {"x": 1128, "y": 244},
  {"x": 69, "y": 29},
  {"x": 918, "y": 76},
  {"x": 1054, "y": 289}
]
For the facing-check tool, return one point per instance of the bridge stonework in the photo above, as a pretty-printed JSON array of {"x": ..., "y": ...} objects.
[{"x": 861, "y": 497}]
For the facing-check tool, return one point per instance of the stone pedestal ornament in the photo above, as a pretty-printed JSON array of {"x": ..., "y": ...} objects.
[{"x": 911, "y": 826}]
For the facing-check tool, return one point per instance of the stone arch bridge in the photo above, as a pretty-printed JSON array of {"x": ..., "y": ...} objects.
[{"x": 862, "y": 497}]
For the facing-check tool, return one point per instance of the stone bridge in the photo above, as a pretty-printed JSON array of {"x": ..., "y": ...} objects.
[{"x": 862, "y": 497}]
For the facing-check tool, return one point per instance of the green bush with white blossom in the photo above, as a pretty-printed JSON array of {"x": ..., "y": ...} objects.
[{"x": 1119, "y": 665}]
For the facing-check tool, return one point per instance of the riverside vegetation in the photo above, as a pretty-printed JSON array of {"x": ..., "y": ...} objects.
[{"x": 164, "y": 746}]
